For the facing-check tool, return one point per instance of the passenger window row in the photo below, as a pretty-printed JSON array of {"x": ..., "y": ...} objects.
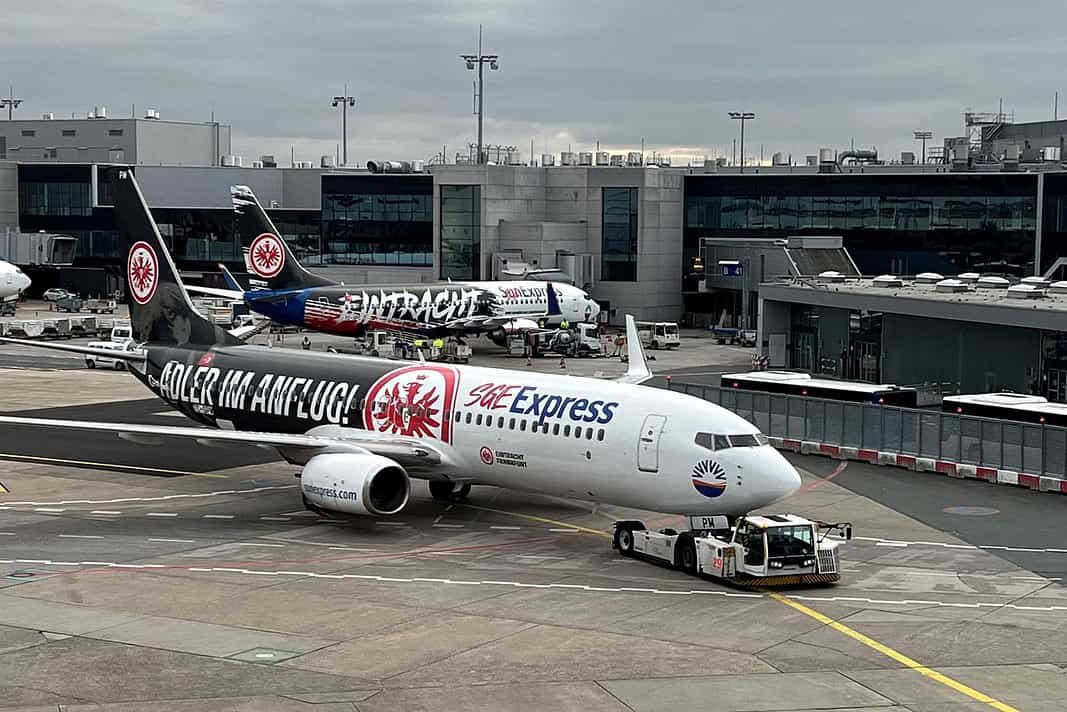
[{"x": 511, "y": 423}]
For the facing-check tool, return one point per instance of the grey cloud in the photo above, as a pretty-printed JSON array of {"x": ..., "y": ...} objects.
[{"x": 817, "y": 73}]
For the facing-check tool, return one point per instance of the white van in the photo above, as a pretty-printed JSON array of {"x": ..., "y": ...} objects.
[{"x": 95, "y": 360}]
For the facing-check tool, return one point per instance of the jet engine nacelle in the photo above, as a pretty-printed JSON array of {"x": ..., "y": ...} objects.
[
  {"x": 499, "y": 335},
  {"x": 352, "y": 483}
]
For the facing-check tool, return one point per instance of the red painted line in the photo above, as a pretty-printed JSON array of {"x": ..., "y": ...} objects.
[
  {"x": 822, "y": 480},
  {"x": 793, "y": 445},
  {"x": 1063, "y": 486}
]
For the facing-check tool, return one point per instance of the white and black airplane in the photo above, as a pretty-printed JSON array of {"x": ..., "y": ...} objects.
[
  {"x": 13, "y": 281},
  {"x": 283, "y": 290},
  {"x": 361, "y": 428}
]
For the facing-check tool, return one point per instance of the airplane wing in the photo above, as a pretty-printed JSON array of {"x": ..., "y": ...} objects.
[
  {"x": 638, "y": 371},
  {"x": 405, "y": 451},
  {"x": 244, "y": 333},
  {"x": 215, "y": 292},
  {"x": 119, "y": 355}
]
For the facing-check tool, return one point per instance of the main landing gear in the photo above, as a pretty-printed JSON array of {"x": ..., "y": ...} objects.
[{"x": 448, "y": 491}]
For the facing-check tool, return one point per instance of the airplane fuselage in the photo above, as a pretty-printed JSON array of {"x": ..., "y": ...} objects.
[
  {"x": 430, "y": 310},
  {"x": 575, "y": 437},
  {"x": 12, "y": 280}
]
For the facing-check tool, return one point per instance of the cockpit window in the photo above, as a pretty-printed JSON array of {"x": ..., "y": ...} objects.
[
  {"x": 762, "y": 439},
  {"x": 744, "y": 441},
  {"x": 712, "y": 442}
]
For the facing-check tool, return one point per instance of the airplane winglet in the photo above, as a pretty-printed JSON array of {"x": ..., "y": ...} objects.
[
  {"x": 229, "y": 279},
  {"x": 638, "y": 371}
]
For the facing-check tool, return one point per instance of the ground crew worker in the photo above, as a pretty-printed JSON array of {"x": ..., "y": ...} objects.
[
  {"x": 618, "y": 345},
  {"x": 564, "y": 325},
  {"x": 306, "y": 344},
  {"x": 438, "y": 346}
]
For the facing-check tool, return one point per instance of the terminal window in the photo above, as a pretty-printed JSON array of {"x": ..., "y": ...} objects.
[
  {"x": 461, "y": 218},
  {"x": 619, "y": 235},
  {"x": 70, "y": 132},
  {"x": 29, "y": 133},
  {"x": 114, "y": 132}
]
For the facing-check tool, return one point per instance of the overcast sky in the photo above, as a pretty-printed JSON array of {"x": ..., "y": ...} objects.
[{"x": 817, "y": 73}]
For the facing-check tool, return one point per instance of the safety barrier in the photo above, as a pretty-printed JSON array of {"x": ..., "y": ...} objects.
[{"x": 999, "y": 451}]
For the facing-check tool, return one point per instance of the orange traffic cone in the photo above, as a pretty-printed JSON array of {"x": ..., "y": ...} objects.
[{"x": 562, "y": 362}]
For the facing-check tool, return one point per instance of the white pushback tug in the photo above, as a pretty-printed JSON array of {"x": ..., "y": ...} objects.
[{"x": 764, "y": 550}]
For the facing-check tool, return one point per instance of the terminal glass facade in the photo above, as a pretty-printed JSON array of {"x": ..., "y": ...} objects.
[
  {"x": 619, "y": 233},
  {"x": 377, "y": 220},
  {"x": 461, "y": 218},
  {"x": 899, "y": 224}
]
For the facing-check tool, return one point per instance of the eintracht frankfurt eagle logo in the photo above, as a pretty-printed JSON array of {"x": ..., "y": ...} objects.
[
  {"x": 266, "y": 256},
  {"x": 142, "y": 272}
]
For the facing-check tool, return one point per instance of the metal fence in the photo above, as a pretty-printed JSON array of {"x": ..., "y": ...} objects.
[{"x": 985, "y": 442}]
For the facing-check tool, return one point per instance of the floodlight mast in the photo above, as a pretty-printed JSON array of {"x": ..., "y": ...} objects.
[
  {"x": 480, "y": 60},
  {"x": 344, "y": 101},
  {"x": 742, "y": 116}
]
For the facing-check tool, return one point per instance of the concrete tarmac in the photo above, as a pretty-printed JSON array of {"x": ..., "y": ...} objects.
[{"x": 120, "y": 590}]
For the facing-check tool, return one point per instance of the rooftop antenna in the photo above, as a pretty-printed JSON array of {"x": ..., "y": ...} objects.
[{"x": 1056, "y": 107}]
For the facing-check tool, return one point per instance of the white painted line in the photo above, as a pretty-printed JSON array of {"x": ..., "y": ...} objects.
[
  {"x": 564, "y": 531},
  {"x": 893, "y": 544},
  {"x": 448, "y": 526},
  {"x": 163, "y": 498},
  {"x": 255, "y": 543},
  {"x": 49, "y": 510},
  {"x": 7, "y": 533},
  {"x": 392, "y": 524},
  {"x": 218, "y": 516},
  {"x": 175, "y": 541},
  {"x": 80, "y": 536},
  {"x": 448, "y": 553},
  {"x": 161, "y": 514},
  {"x": 105, "y": 511},
  {"x": 496, "y": 526},
  {"x": 274, "y": 519},
  {"x": 538, "y": 556}
]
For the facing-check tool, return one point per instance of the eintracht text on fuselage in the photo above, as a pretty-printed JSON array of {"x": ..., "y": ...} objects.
[
  {"x": 282, "y": 289},
  {"x": 363, "y": 427}
]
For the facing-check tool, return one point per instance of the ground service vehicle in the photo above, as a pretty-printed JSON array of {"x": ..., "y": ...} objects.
[
  {"x": 765, "y": 550},
  {"x": 659, "y": 334},
  {"x": 581, "y": 340},
  {"x": 1007, "y": 406},
  {"x": 101, "y": 359},
  {"x": 802, "y": 384},
  {"x": 730, "y": 335},
  {"x": 99, "y": 306},
  {"x": 69, "y": 303}
]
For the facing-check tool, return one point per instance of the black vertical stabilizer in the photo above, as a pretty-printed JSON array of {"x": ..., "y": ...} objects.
[
  {"x": 160, "y": 310},
  {"x": 264, "y": 248}
]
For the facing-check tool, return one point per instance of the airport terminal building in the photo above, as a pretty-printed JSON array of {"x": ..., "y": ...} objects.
[{"x": 631, "y": 234}]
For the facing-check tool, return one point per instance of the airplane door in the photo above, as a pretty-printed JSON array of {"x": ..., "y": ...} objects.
[{"x": 648, "y": 444}]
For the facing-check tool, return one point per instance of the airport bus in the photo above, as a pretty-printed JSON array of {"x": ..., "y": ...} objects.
[
  {"x": 802, "y": 384},
  {"x": 1007, "y": 406}
]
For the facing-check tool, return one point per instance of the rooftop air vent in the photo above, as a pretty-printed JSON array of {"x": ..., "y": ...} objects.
[
  {"x": 1039, "y": 282},
  {"x": 831, "y": 276},
  {"x": 951, "y": 285},
  {"x": 1025, "y": 291},
  {"x": 968, "y": 277},
  {"x": 928, "y": 278},
  {"x": 993, "y": 283},
  {"x": 887, "y": 280},
  {"x": 1058, "y": 288}
]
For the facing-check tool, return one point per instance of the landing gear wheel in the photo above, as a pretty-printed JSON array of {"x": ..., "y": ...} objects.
[
  {"x": 461, "y": 492},
  {"x": 90, "y": 363},
  {"x": 624, "y": 540},
  {"x": 686, "y": 556}
]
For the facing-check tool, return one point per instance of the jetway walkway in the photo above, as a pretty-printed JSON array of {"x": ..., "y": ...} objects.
[{"x": 1000, "y": 451}]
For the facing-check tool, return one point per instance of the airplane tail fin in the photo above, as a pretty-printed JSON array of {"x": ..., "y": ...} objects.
[
  {"x": 228, "y": 278},
  {"x": 268, "y": 258},
  {"x": 553, "y": 300},
  {"x": 160, "y": 309}
]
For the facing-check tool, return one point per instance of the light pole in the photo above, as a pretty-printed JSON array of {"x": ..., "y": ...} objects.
[
  {"x": 481, "y": 60},
  {"x": 922, "y": 136},
  {"x": 742, "y": 116},
  {"x": 10, "y": 102},
  {"x": 344, "y": 102}
]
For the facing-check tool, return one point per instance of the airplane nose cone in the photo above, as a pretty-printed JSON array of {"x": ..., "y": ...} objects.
[{"x": 787, "y": 479}]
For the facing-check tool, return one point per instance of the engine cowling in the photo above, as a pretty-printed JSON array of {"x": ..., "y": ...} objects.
[{"x": 355, "y": 484}]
